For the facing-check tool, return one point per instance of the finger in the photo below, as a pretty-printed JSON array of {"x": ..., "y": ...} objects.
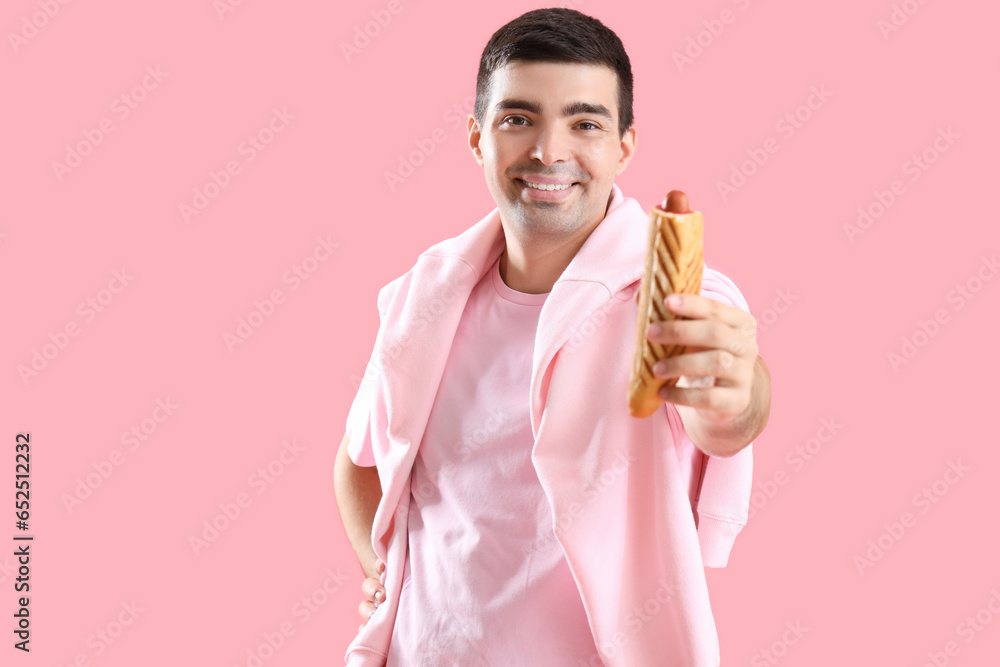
[
  {"x": 700, "y": 307},
  {"x": 373, "y": 590},
  {"x": 366, "y": 609},
  {"x": 725, "y": 401},
  {"x": 380, "y": 566},
  {"x": 714, "y": 363},
  {"x": 701, "y": 335}
]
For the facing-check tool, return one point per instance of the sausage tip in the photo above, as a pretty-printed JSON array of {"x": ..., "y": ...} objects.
[{"x": 675, "y": 202}]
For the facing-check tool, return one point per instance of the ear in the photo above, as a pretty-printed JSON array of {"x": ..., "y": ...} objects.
[
  {"x": 627, "y": 147},
  {"x": 474, "y": 136}
]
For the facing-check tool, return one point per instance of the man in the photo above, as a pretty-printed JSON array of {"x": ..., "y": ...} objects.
[{"x": 538, "y": 523}]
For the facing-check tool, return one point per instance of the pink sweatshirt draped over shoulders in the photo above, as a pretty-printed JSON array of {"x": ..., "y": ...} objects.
[{"x": 638, "y": 510}]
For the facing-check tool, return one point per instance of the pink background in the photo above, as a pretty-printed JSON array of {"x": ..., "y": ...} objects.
[{"x": 848, "y": 303}]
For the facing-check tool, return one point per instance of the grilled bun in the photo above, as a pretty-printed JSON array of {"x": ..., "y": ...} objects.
[{"x": 674, "y": 261}]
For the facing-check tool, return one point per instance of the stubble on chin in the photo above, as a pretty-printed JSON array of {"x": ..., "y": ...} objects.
[{"x": 544, "y": 225}]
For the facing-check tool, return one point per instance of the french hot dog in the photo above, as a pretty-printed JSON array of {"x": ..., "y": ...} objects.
[{"x": 674, "y": 261}]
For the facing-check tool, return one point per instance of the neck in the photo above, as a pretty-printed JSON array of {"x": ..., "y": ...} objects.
[
  {"x": 533, "y": 265},
  {"x": 532, "y": 268}
]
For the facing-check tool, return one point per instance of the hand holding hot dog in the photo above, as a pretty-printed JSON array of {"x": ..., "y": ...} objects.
[{"x": 723, "y": 345}]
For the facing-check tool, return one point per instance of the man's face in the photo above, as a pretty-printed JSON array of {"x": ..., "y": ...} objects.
[{"x": 551, "y": 124}]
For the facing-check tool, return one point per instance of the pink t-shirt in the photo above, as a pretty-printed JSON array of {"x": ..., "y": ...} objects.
[{"x": 485, "y": 581}]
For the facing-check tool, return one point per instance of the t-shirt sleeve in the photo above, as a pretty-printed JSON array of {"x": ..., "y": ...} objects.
[
  {"x": 359, "y": 418},
  {"x": 359, "y": 435}
]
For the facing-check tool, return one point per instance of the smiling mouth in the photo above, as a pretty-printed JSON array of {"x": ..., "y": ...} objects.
[{"x": 548, "y": 187}]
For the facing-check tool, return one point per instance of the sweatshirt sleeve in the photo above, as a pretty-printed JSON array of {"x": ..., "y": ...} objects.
[
  {"x": 359, "y": 445},
  {"x": 723, "y": 501}
]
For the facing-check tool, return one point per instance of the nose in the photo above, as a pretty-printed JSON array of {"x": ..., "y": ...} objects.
[{"x": 551, "y": 146}]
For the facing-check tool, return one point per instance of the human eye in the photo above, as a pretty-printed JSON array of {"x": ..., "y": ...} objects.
[
  {"x": 514, "y": 120},
  {"x": 592, "y": 125}
]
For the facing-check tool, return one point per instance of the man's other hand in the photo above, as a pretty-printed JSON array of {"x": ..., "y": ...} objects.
[{"x": 374, "y": 593}]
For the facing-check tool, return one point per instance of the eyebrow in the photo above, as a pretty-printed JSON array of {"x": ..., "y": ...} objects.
[{"x": 571, "y": 109}]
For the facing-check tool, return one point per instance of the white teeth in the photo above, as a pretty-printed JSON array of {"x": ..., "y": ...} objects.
[{"x": 542, "y": 186}]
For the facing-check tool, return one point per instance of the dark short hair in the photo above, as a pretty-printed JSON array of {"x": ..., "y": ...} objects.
[{"x": 562, "y": 36}]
